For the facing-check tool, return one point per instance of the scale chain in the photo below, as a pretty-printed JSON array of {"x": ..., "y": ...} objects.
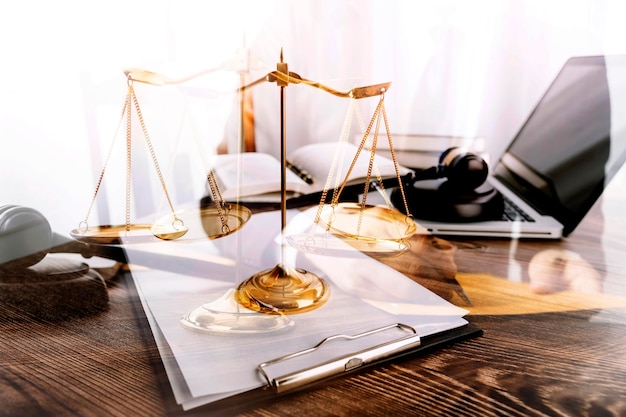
[{"x": 152, "y": 153}]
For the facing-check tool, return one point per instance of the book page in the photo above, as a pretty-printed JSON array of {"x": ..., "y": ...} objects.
[
  {"x": 257, "y": 175},
  {"x": 253, "y": 174},
  {"x": 319, "y": 158}
]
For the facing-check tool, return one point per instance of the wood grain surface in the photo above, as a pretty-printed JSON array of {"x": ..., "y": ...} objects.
[{"x": 565, "y": 361}]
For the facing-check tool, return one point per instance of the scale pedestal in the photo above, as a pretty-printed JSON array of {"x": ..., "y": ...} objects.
[{"x": 283, "y": 289}]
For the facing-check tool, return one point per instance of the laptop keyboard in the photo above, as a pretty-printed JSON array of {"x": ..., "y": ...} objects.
[{"x": 512, "y": 212}]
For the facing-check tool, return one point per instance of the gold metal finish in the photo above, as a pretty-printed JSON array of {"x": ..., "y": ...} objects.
[
  {"x": 355, "y": 221},
  {"x": 371, "y": 229},
  {"x": 285, "y": 77},
  {"x": 108, "y": 233},
  {"x": 225, "y": 315},
  {"x": 125, "y": 234},
  {"x": 330, "y": 244},
  {"x": 154, "y": 78},
  {"x": 365, "y": 224},
  {"x": 209, "y": 222},
  {"x": 215, "y": 221},
  {"x": 283, "y": 289},
  {"x": 282, "y": 77}
]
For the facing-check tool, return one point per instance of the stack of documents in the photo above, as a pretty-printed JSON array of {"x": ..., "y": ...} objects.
[
  {"x": 423, "y": 151},
  {"x": 204, "y": 367}
]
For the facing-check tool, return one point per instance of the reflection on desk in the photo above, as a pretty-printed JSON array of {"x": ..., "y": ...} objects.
[{"x": 559, "y": 353}]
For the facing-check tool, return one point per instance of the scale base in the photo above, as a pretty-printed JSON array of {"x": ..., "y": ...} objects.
[
  {"x": 283, "y": 290},
  {"x": 225, "y": 315}
]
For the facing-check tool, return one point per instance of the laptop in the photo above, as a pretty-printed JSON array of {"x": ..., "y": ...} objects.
[{"x": 560, "y": 161}]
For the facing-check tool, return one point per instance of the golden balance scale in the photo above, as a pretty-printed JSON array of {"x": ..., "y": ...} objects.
[{"x": 283, "y": 289}]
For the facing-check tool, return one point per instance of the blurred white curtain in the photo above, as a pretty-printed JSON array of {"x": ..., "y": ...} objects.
[{"x": 457, "y": 67}]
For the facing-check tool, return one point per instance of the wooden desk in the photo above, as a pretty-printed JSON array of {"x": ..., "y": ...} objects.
[{"x": 552, "y": 362}]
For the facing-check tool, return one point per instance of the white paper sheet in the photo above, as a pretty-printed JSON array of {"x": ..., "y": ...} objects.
[{"x": 204, "y": 367}]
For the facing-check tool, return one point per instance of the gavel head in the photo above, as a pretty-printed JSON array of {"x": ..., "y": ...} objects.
[
  {"x": 38, "y": 283},
  {"x": 25, "y": 237}
]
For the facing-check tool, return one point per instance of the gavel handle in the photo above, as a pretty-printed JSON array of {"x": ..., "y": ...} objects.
[{"x": 62, "y": 244}]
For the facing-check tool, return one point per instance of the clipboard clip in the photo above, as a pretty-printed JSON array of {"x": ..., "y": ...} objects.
[{"x": 337, "y": 366}]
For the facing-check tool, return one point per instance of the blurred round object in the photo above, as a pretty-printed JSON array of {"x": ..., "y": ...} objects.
[{"x": 555, "y": 270}]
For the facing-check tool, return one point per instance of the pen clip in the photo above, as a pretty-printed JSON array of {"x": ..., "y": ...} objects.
[{"x": 343, "y": 364}]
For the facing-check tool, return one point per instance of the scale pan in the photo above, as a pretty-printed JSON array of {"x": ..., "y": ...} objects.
[
  {"x": 122, "y": 234},
  {"x": 351, "y": 220},
  {"x": 329, "y": 244},
  {"x": 208, "y": 222}
]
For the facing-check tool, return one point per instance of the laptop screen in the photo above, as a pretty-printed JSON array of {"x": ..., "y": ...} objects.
[{"x": 573, "y": 142}]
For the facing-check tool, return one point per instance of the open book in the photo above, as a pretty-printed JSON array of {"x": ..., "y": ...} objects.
[{"x": 254, "y": 176}]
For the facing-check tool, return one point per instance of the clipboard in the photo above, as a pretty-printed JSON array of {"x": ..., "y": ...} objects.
[
  {"x": 316, "y": 373},
  {"x": 354, "y": 319},
  {"x": 411, "y": 345},
  {"x": 268, "y": 393}
]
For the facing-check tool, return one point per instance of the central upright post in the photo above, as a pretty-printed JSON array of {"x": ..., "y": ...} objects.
[
  {"x": 283, "y": 68},
  {"x": 283, "y": 289}
]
